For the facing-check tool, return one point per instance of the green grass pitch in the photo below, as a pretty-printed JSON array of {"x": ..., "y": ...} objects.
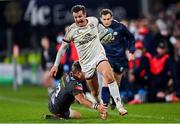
[{"x": 29, "y": 103}]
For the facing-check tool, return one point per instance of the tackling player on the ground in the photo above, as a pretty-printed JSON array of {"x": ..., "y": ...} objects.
[
  {"x": 115, "y": 49},
  {"x": 63, "y": 96},
  {"x": 84, "y": 33}
]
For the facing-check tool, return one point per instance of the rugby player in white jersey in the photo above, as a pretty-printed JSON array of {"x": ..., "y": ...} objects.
[{"x": 92, "y": 57}]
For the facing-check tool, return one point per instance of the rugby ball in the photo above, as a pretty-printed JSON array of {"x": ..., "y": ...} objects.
[{"x": 106, "y": 35}]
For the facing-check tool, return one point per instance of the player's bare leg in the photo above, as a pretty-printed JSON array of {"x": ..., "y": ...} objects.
[
  {"x": 52, "y": 117},
  {"x": 93, "y": 86},
  {"x": 118, "y": 77},
  {"x": 74, "y": 114},
  {"x": 109, "y": 80}
]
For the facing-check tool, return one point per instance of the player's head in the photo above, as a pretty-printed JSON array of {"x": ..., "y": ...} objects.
[
  {"x": 79, "y": 15},
  {"x": 76, "y": 71},
  {"x": 106, "y": 17}
]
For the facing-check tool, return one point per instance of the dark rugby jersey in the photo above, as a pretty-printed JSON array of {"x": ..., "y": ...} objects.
[
  {"x": 62, "y": 97},
  {"x": 123, "y": 39}
]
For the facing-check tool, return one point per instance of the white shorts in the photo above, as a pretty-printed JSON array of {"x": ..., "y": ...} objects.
[{"x": 90, "y": 69}]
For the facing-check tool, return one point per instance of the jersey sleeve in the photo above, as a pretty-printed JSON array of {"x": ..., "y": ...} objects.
[
  {"x": 68, "y": 36},
  {"x": 129, "y": 37},
  {"x": 101, "y": 27},
  {"x": 78, "y": 89}
]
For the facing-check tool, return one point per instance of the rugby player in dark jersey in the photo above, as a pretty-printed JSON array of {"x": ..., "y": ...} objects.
[
  {"x": 63, "y": 96},
  {"x": 116, "y": 51}
]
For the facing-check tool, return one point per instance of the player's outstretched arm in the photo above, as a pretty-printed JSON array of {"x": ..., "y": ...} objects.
[
  {"x": 60, "y": 52},
  {"x": 82, "y": 100}
]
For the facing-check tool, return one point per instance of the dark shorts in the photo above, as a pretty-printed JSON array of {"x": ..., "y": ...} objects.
[
  {"x": 118, "y": 67},
  {"x": 58, "y": 111}
]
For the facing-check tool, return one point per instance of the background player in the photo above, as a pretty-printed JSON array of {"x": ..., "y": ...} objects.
[{"x": 116, "y": 48}]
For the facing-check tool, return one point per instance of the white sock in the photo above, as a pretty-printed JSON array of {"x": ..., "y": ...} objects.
[
  {"x": 114, "y": 91},
  {"x": 90, "y": 97}
]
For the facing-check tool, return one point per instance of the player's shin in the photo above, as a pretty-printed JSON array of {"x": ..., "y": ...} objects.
[
  {"x": 114, "y": 90},
  {"x": 105, "y": 96}
]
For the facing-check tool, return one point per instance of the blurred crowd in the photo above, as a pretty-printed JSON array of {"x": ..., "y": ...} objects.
[{"x": 154, "y": 75}]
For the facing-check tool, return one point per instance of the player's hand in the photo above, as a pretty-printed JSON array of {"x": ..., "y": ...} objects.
[
  {"x": 102, "y": 108},
  {"x": 53, "y": 71},
  {"x": 131, "y": 57}
]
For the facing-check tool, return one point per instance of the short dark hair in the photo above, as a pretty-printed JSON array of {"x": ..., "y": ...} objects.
[
  {"x": 76, "y": 67},
  {"x": 78, "y": 8},
  {"x": 105, "y": 12}
]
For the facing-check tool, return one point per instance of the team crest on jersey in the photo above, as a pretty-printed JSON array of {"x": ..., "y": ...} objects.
[
  {"x": 91, "y": 25},
  {"x": 77, "y": 32},
  {"x": 115, "y": 33}
]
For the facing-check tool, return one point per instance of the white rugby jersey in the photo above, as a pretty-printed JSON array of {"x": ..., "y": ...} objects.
[{"x": 86, "y": 40}]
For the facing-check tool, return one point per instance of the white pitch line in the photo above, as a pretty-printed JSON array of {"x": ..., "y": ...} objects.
[{"x": 20, "y": 100}]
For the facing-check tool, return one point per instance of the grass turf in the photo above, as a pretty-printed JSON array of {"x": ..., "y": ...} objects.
[{"x": 29, "y": 103}]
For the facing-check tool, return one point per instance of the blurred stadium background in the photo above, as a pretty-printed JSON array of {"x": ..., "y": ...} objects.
[{"x": 23, "y": 23}]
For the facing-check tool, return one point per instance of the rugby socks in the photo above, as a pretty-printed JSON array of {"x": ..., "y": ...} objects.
[
  {"x": 114, "y": 90},
  {"x": 105, "y": 95}
]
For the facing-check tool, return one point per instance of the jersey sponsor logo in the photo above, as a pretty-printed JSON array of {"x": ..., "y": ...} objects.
[
  {"x": 87, "y": 38},
  {"x": 78, "y": 88}
]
